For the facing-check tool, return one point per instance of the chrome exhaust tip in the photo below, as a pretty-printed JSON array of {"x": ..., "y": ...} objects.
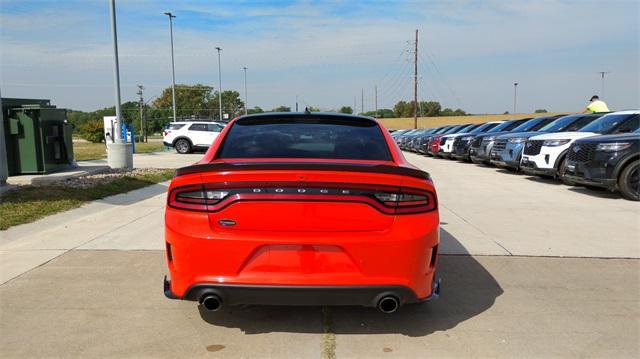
[
  {"x": 388, "y": 304},
  {"x": 211, "y": 302}
]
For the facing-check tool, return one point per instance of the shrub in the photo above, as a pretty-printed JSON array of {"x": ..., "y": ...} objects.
[{"x": 93, "y": 131}]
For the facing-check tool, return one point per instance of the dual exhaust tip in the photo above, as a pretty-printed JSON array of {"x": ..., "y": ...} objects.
[
  {"x": 388, "y": 304},
  {"x": 211, "y": 302}
]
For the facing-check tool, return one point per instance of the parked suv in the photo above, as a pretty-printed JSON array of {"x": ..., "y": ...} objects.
[
  {"x": 191, "y": 135},
  {"x": 507, "y": 149},
  {"x": 480, "y": 146},
  {"x": 609, "y": 161},
  {"x": 462, "y": 142},
  {"x": 545, "y": 154}
]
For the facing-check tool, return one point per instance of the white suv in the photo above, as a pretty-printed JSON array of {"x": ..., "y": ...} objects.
[
  {"x": 545, "y": 154},
  {"x": 191, "y": 135}
]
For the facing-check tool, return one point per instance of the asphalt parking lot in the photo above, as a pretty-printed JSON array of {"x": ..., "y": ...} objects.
[{"x": 530, "y": 268}]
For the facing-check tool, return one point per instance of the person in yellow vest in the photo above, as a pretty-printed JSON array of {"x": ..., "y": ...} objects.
[{"x": 596, "y": 105}]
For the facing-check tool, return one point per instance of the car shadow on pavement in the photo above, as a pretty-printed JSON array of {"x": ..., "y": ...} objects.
[
  {"x": 596, "y": 192},
  {"x": 468, "y": 289}
]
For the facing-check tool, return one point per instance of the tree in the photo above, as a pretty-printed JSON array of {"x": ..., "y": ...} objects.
[
  {"x": 450, "y": 112},
  {"x": 541, "y": 110},
  {"x": 281, "y": 109},
  {"x": 231, "y": 104},
  {"x": 428, "y": 108},
  {"x": 425, "y": 108},
  {"x": 191, "y": 100},
  {"x": 382, "y": 113},
  {"x": 346, "y": 109},
  {"x": 256, "y": 109}
]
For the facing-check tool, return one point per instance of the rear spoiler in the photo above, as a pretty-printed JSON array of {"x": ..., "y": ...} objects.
[{"x": 350, "y": 167}]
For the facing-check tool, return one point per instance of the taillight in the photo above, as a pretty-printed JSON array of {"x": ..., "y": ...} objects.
[
  {"x": 406, "y": 203},
  {"x": 195, "y": 198},
  {"x": 387, "y": 199}
]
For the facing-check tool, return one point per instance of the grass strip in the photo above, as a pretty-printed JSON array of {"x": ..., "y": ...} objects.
[
  {"x": 85, "y": 151},
  {"x": 29, "y": 203}
]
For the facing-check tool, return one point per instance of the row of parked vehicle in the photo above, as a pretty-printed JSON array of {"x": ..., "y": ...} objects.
[{"x": 594, "y": 150}]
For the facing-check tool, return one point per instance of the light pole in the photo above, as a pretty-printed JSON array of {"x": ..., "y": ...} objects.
[
  {"x": 119, "y": 153},
  {"x": 173, "y": 70},
  {"x": 246, "y": 97},
  {"x": 602, "y": 73},
  {"x": 219, "y": 83},
  {"x": 515, "y": 96}
]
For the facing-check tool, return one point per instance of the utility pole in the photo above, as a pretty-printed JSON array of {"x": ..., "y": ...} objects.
[
  {"x": 139, "y": 93},
  {"x": 355, "y": 110},
  {"x": 375, "y": 91},
  {"x": 602, "y": 73},
  {"x": 415, "y": 83},
  {"x": 219, "y": 83},
  {"x": 515, "y": 96},
  {"x": 246, "y": 97},
  {"x": 173, "y": 68},
  {"x": 362, "y": 101},
  {"x": 296, "y": 103}
]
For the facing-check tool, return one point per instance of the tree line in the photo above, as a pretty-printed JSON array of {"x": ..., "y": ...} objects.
[{"x": 201, "y": 101}]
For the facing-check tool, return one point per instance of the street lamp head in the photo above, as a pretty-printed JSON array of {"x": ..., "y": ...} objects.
[
  {"x": 515, "y": 84},
  {"x": 169, "y": 14},
  {"x": 218, "y": 48}
]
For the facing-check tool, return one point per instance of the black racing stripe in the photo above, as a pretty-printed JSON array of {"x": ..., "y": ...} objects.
[{"x": 252, "y": 166}]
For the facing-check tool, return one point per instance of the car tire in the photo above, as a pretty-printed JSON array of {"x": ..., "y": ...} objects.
[
  {"x": 629, "y": 181},
  {"x": 182, "y": 146},
  {"x": 561, "y": 171}
]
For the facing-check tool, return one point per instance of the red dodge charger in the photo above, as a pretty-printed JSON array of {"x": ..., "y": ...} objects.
[{"x": 302, "y": 209}]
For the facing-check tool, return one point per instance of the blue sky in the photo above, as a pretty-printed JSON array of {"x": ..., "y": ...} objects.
[{"x": 326, "y": 52}]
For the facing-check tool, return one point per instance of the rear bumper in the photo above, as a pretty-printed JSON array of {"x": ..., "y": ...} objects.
[
  {"x": 531, "y": 167},
  {"x": 234, "y": 294},
  {"x": 167, "y": 144}
]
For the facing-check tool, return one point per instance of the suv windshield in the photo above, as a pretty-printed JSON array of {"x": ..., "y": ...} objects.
[
  {"x": 569, "y": 123},
  {"x": 610, "y": 123},
  {"x": 534, "y": 124},
  {"x": 485, "y": 127},
  {"x": 307, "y": 137},
  {"x": 508, "y": 126}
]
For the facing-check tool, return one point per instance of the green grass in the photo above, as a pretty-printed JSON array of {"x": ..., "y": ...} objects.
[
  {"x": 29, "y": 203},
  {"x": 85, "y": 151}
]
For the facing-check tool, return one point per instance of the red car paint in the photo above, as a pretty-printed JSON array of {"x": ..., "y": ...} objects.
[{"x": 291, "y": 225}]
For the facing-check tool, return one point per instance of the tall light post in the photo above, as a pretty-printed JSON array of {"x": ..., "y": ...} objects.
[
  {"x": 173, "y": 70},
  {"x": 602, "y": 73},
  {"x": 219, "y": 83},
  {"x": 515, "y": 96},
  {"x": 246, "y": 97},
  {"x": 119, "y": 153}
]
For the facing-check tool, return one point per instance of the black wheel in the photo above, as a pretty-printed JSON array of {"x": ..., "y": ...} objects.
[
  {"x": 182, "y": 146},
  {"x": 561, "y": 171},
  {"x": 629, "y": 181}
]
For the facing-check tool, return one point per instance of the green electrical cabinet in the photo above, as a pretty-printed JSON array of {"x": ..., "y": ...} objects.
[{"x": 38, "y": 137}]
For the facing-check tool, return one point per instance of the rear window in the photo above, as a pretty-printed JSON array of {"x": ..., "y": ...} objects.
[{"x": 331, "y": 138}]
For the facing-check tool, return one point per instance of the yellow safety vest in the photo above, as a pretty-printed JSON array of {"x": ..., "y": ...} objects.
[{"x": 598, "y": 106}]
